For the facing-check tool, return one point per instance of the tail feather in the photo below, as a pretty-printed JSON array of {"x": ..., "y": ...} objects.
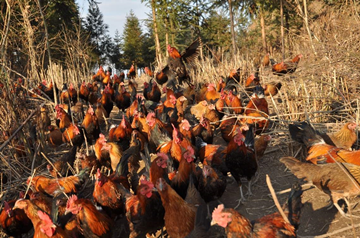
[
  {"x": 199, "y": 142},
  {"x": 305, "y": 133},
  {"x": 294, "y": 205}
]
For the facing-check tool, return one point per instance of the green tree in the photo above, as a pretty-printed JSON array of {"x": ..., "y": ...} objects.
[
  {"x": 132, "y": 42},
  {"x": 98, "y": 30},
  {"x": 115, "y": 54}
]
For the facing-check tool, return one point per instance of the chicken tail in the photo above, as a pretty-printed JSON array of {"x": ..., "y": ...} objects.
[
  {"x": 294, "y": 205},
  {"x": 249, "y": 138},
  {"x": 305, "y": 133},
  {"x": 199, "y": 142},
  {"x": 299, "y": 169}
]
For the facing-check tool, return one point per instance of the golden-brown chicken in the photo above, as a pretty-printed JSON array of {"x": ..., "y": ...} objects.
[
  {"x": 179, "y": 215},
  {"x": 287, "y": 66},
  {"x": 272, "y": 89}
]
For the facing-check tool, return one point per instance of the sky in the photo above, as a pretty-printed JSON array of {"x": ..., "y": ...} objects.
[{"x": 115, "y": 12}]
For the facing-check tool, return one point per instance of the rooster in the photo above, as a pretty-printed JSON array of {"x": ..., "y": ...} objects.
[
  {"x": 14, "y": 222},
  {"x": 175, "y": 69},
  {"x": 53, "y": 186},
  {"x": 287, "y": 66},
  {"x": 73, "y": 135},
  {"x": 271, "y": 89},
  {"x": 132, "y": 73},
  {"x": 240, "y": 159},
  {"x": 121, "y": 133},
  {"x": 122, "y": 99},
  {"x": 92, "y": 222},
  {"x": 144, "y": 211},
  {"x": 152, "y": 91},
  {"x": 305, "y": 133},
  {"x": 91, "y": 125},
  {"x": 43, "y": 225},
  {"x": 212, "y": 185},
  {"x": 106, "y": 100},
  {"x": 211, "y": 95},
  {"x": 107, "y": 193},
  {"x": 61, "y": 165},
  {"x": 158, "y": 134}
]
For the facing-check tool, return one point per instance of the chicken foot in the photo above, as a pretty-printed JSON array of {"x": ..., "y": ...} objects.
[{"x": 242, "y": 198}]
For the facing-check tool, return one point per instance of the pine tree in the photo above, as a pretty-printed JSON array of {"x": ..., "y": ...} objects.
[
  {"x": 98, "y": 30},
  {"x": 133, "y": 42}
]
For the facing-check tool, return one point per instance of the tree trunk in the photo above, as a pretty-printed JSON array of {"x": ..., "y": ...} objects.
[
  {"x": 282, "y": 30},
  {"x": 172, "y": 32},
  {"x": 232, "y": 27},
  {"x": 263, "y": 33},
  {"x": 167, "y": 35},
  {"x": 157, "y": 42},
  {"x": 287, "y": 27}
]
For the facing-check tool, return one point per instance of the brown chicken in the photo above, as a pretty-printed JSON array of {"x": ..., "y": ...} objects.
[
  {"x": 63, "y": 118},
  {"x": 234, "y": 103},
  {"x": 158, "y": 133},
  {"x": 257, "y": 107},
  {"x": 212, "y": 185},
  {"x": 159, "y": 168},
  {"x": 132, "y": 86},
  {"x": 100, "y": 74},
  {"x": 148, "y": 72},
  {"x": 14, "y": 222},
  {"x": 211, "y": 95},
  {"x": 47, "y": 89},
  {"x": 92, "y": 222},
  {"x": 200, "y": 95},
  {"x": 240, "y": 159},
  {"x": 121, "y": 134},
  {"x": 54, "y": 186},
  {"x": 106, "y": 100},
  {"x": 122, "y": 99},
  {"x": 266, "y": 60},
  {"x": 55, "y": 136},
  {"x": 132, "y": 73},
  {"x": 152, "y": 91},
  {"x": 175, "y": 68},
  {"x": 144, "y": 211},
  {"x": 220, "y": 85},
  {"x": 234, "y": 223},
  {"x": 161, "y": 77},
  {"x": 261, "y": 144},
  {"x": 180, "y": 182},
  {"x": 84, "y": 92},
  {"x": 251, "y": 82},
  {"x": 91, "y": 125},
  {"x": 107, "y": 193},
  {"x": 73, "y": 135},
  {"x": 179, "y": 215},
  {"x": 272, "y": 89},
  {"x": 61, "y": 165},
  {"x": 115, "y": 153},
  {"x": 101, "y": 154},
  {"x": 203, "y": 130},
  {"x": 287, "y": 66},
  {"x": 43, "y": 225},
  {"x": 328, "y": 178},
  {"x": 272, "y": 225}
]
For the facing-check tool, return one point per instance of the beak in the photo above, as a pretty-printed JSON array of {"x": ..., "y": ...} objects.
[
  {"x": 66, "y": 212},
  {"x": 213, "y": 222}
]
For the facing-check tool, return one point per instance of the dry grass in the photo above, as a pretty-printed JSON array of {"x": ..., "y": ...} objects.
[{"x": 324, "y": 89}]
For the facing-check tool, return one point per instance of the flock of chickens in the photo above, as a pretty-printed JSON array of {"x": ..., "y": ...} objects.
[{"x": 171, "y": 130}]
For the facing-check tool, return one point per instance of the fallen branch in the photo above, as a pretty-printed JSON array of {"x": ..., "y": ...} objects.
[{"x": 276, "y": 201}]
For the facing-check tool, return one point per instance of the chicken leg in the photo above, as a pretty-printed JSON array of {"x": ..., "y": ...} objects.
[{"x": 242, "y": 198}]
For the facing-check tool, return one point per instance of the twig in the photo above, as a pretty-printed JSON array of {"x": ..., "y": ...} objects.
[
  {"x": 19, "y": 128},
  {"x": 48, "y": 160},
  {"x": 31, "y": 178},
  {"x": 304, "y": 186},
  {"x": 276, "y": 201}
]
